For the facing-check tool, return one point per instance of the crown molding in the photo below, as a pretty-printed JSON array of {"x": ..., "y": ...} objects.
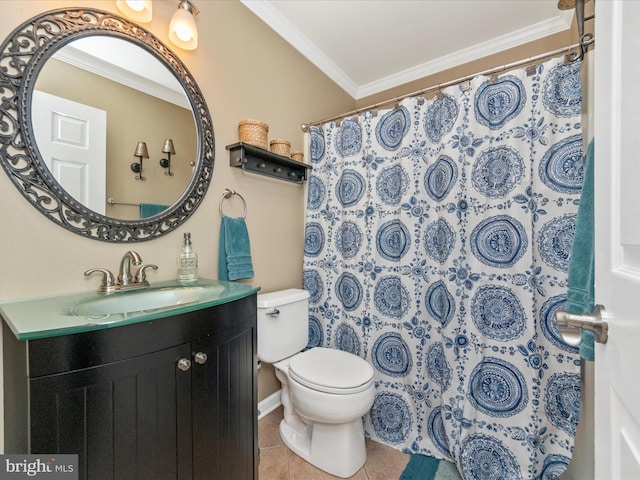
[
  {"x": 540, "y": 30},
  {"x": 79, "y": 58},
  {"x": 289, "y": 32}
]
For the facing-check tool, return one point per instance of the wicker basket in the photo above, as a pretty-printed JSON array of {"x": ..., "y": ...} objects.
[
  {"x": 281, "y": 147},
  {"x": 298, "y": 156},
  {"x": 253, "y": 132}
]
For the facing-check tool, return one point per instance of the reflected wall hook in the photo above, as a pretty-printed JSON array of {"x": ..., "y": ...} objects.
[{"x": 140, "y": 152}]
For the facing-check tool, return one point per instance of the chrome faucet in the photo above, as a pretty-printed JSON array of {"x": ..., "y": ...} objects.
[
  {"x": 125, "y": 280},
  {"x": 125, "y": 277}
]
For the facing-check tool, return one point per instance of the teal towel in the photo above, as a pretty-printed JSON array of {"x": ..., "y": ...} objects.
[
  {"x": 580, "y": 296},
  {"x": 234, "y": 256},
  {"x": 151, "y": 209},
  {"x": 422, "y": 467}
]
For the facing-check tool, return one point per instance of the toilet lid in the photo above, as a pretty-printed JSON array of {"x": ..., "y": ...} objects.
[{"x": 331, "y": 370}]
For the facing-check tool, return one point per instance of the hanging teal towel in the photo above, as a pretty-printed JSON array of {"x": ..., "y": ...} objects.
[
  {"x": 151, "y": 209},
  {"x": 234, "y": 255},
  {"x": 423, "y": 467},
  {"x": 580, "y": 296}
]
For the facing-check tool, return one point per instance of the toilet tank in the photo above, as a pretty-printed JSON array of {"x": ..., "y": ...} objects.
[{"x": 283, "y": 324}]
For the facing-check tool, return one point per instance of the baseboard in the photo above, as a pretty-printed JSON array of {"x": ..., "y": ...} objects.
[{"x": 269, "y": 404}]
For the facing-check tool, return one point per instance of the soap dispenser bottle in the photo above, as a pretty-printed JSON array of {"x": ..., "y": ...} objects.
[{"x": 187, "y": 262}]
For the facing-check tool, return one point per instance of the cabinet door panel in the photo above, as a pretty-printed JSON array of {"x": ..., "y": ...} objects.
[
  {"x": 224, "y": 407},
  {"x": 125, "y": 415},
  {"x": 100, "y": 447}
]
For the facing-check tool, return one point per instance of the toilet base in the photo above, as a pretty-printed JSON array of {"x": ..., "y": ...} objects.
[{"x": 338, "y": 449}]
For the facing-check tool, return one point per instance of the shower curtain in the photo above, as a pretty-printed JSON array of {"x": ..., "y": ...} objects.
[{"x": 437, "y": 241}]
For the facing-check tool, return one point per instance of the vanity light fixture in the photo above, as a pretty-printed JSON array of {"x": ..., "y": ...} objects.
[
  {"x": 138, "y": 10},
  {"x": 140, "y": 152},
  {"x": 183, "y": 31},
  {"x": 169, "y": 150}
]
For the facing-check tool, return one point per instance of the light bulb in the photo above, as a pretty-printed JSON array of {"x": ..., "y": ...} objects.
[
  {"x": 137, "y": 5},
  {"x": 138, "y": 10},
  {"x": 183, "y": 34}
]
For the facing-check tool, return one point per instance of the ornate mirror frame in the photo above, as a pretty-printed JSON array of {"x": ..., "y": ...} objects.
[{"x": 22, "y": 56}]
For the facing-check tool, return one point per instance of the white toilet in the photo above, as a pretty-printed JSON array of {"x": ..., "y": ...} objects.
[{"x": 325, "y": 392}]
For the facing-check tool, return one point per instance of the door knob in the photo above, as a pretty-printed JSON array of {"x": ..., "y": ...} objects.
[
  {"x": 184, "y": 364},
  {"x": 200, "y": 357},
  {"x": 571, "y": 324}
]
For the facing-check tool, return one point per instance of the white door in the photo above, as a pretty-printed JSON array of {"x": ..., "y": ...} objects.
[
  {"x": 617, "y": 224},
  {"x": 72, "y": 138}
]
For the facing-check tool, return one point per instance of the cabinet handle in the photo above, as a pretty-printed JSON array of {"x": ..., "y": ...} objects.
[
  {"x": 184, "y": 364},
  {"x": 200, "y": 358}
]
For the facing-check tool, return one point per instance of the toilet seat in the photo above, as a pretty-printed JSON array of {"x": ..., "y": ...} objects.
[{"x": 331, "y": 371}]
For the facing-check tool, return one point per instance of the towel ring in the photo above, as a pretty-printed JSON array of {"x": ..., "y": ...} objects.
[{"x": 228, "y": 194}]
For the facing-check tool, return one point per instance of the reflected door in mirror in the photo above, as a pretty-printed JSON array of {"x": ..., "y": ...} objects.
[{"x": 72, "y": 140}]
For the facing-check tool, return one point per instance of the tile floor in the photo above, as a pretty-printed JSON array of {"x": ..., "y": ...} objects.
[{"x": 277, "y": 462}]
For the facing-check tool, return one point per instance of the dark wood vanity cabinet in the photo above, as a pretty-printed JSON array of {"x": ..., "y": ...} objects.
[{"x": 173, "y": 398}]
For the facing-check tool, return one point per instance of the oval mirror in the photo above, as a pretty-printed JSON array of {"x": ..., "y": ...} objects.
[{"x": 77, "y": 105}]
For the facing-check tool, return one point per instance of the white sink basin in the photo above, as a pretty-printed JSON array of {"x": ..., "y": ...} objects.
[{"x": 143, "y": 300}]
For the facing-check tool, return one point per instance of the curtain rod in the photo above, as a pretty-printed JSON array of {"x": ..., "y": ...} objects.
[{"x": 305, "y": 126}]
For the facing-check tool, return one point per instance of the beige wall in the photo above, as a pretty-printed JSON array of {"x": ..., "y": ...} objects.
[{"x": 244, "y": 70}]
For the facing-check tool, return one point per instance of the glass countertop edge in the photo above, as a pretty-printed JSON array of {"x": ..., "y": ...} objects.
[{"x": 238, "y": 291}]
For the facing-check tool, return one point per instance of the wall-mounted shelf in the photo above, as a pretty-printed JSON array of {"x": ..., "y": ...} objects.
[{"x": 258, "y": 160}]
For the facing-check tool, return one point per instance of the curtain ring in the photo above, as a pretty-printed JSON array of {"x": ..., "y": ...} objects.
[{"x": 228, "y": 194}]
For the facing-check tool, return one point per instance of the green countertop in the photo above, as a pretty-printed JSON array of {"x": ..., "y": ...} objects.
[{"x": 43, "y": 317}]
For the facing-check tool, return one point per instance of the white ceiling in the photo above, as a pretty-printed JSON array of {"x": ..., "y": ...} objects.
[{"x": 367, "y": 46}]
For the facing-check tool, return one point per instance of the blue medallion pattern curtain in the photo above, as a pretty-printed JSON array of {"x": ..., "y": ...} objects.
[{"x": 437, "y": 242}]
